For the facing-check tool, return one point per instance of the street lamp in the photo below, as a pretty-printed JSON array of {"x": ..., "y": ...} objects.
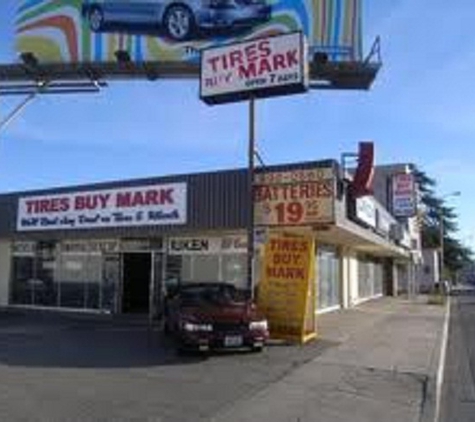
[{"x": 441, "y": 232}]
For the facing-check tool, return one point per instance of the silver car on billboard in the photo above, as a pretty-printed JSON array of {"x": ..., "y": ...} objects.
[{"x": 180, "y": 19}]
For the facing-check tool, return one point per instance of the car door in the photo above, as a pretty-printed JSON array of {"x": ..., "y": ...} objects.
[{"x": 127, "y": 12}]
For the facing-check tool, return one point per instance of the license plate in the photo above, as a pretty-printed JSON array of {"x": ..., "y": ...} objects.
[{"x": 232, "y": 341}]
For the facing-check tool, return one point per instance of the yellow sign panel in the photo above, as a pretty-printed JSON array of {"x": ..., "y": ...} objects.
[{"x": 286, "y": 292}]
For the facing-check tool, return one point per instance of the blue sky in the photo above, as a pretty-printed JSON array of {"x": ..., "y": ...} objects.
[{"x": 421, "y": 109}]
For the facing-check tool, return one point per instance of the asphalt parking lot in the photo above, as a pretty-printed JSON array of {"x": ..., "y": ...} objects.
[{"x": 63, "y": 368}]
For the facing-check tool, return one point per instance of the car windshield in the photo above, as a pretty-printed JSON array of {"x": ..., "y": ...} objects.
[{"x": 211, "y": 293}]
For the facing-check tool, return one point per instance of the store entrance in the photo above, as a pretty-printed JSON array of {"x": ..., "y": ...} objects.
[{"x": 136, "y": 282}]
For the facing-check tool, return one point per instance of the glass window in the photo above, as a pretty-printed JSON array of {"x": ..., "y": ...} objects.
[
  {"x": 22, "y": 291},
  {"x": 205, "y": 268},
  {"x": 235, "y": 270},
  {"x": 46, "y": 287},
  {"x": 328, "y": 277}
]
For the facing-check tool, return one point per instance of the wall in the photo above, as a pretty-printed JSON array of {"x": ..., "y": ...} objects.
[{"x": 5, "y": 265}]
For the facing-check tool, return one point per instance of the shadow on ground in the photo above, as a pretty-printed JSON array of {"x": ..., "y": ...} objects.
[{"x": 35, "y": 339}]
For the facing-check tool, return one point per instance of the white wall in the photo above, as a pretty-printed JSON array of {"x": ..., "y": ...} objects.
[{"x": 5, "y": 264}]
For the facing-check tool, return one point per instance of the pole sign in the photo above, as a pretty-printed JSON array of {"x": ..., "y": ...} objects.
[
  {"x": 258, "y": 68},
  {"x": 294, "y": 198},
  {"x": 137, "y": 206},
  {"x": 403, "y": 195}
]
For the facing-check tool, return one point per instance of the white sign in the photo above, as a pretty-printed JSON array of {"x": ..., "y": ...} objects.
[
  {"x": 295, "y": 197},
  {"x": 207, "y": 245},
  {"x": 403, "y": 195},
  {"x": 261, "y": 67},
  {"x": 135, "y": 206},
  {"x": 366, "y": 210}
]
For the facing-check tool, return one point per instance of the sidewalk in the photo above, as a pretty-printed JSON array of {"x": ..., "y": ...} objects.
[{"x": 383, "y": 369}]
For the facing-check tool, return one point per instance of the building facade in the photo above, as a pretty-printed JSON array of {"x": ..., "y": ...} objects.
[{"x": 115, "y": 247}]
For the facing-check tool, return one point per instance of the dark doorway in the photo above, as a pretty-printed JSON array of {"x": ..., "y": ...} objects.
[{"x": 137, "y": 272}]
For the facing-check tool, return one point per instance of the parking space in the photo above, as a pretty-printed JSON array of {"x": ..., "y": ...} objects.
[{"x": 55, "y": 367}]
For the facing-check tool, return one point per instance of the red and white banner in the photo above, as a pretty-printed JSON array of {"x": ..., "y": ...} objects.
[
  {"x": 260, "y": 67},
  {"x": 136, "y": 206}
]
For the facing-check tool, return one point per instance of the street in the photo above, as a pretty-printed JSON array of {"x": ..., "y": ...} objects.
[
  {"x": 458, "y": 391},
  {"x": 59, "y": 368}
]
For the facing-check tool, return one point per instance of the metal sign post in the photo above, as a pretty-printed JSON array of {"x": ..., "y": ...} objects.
[{"x": 250, "y": 186}]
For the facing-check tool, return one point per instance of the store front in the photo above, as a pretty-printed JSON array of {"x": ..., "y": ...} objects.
[{"x": 118, "y": 247}]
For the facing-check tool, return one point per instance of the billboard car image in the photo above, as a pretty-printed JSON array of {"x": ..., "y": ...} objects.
[
  {"x": 86, "y": 31},
  {"x": 180, "y": 19}
]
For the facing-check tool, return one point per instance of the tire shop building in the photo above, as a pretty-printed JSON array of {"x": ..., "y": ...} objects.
[{"x": 112, "y": 247}]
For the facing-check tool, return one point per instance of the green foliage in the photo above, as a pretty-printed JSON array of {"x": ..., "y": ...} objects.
[{"x": 435, "y": 210}]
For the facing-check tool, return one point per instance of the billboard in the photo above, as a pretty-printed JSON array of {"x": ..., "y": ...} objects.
[
  {"x": 261, "y": 67},
  {"x": 85, "y": 31},
  {"x": 404, "y": 195},
  {"x": 295, "y": 198},
  {"x": 137, "y": 206}
]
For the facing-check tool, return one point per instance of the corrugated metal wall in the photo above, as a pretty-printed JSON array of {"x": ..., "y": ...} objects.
[{"x": 216, "y": 201}]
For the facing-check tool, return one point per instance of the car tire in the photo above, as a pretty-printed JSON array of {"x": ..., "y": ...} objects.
[
  {"x": 179, "y": 22},
  {"x": 95, "y": 18},
  {"x": 258, "y": 349}
]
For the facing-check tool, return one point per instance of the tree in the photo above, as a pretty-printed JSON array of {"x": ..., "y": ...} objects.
[{"x": 435, "y": 210}]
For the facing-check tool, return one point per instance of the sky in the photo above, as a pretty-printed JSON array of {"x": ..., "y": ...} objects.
[{"x": 421, "y": 109}]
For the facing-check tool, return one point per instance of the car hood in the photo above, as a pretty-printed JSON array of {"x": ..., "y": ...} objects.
[{"x": 228, "y": 312}]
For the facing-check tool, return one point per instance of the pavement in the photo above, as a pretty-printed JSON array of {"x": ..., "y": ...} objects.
[
  {"x": 376, "y": 362},
  {"x": 384, "y": 369},
  {"x": 458, "y": 392}
]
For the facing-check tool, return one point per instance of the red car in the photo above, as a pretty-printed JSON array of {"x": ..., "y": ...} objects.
[{"x": 207, "y": 316}]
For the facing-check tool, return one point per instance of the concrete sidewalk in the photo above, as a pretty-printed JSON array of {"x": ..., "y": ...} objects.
[{"x": 384, "y": 369}]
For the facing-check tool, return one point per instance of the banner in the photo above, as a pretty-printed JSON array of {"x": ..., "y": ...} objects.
[
  {"x": 295, "y": 198},
  {"x": 84, "y": 31},
  {"x": 286, "y": 291},
  {"x": 137, "y": 206}
]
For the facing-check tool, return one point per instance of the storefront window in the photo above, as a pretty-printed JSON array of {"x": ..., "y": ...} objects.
[
  {"x": 46, "y": 285},
  {"x": 328, "y": 277},
  {"x": 235, "y": 269},
  {"x": 22, "y": 290},
  {"x": 370, "y": 277}
]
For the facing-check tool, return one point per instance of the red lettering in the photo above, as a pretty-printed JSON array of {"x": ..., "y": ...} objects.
[
  {"x": 214, "y": 61},
  {"x": 166, "y": 196},
  {"x": 279, "y": 62},
  {"x": 247, "y": 72},
  {"x": 30, "y": 206},
  {"x": 264, "y": 47},
  {"x": 264, "y": 67},
  {"x": 292, "y": 59},
  {"x": 152, "y": 198},
  {"x": 251, "y": 53},
  {"x": 235, "y": 58},
  {"x": 123, "y": 200}
]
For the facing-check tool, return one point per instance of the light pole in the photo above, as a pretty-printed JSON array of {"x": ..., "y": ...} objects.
[{"x": 442, "y": 232}]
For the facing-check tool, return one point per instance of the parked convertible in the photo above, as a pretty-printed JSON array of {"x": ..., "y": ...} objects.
[
  {"x": 206, "y": 316},
  {"x": 180, "y": 19}
]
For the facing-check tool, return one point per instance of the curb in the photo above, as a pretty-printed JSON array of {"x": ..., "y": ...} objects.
[{"x": 442, "y": 359}]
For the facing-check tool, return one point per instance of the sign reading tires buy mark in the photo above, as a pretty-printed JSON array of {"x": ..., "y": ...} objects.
[{"x": 258, "y": 68}]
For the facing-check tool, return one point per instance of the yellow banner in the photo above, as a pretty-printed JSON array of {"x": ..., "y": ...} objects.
[{"x": 286, "y": 291}]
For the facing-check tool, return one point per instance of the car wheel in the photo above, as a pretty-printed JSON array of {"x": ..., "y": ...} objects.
[
  {"x": 179, "y": 22},
  {"x": 96, "y": 19},
  {"x": 258, "y": 349}
]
